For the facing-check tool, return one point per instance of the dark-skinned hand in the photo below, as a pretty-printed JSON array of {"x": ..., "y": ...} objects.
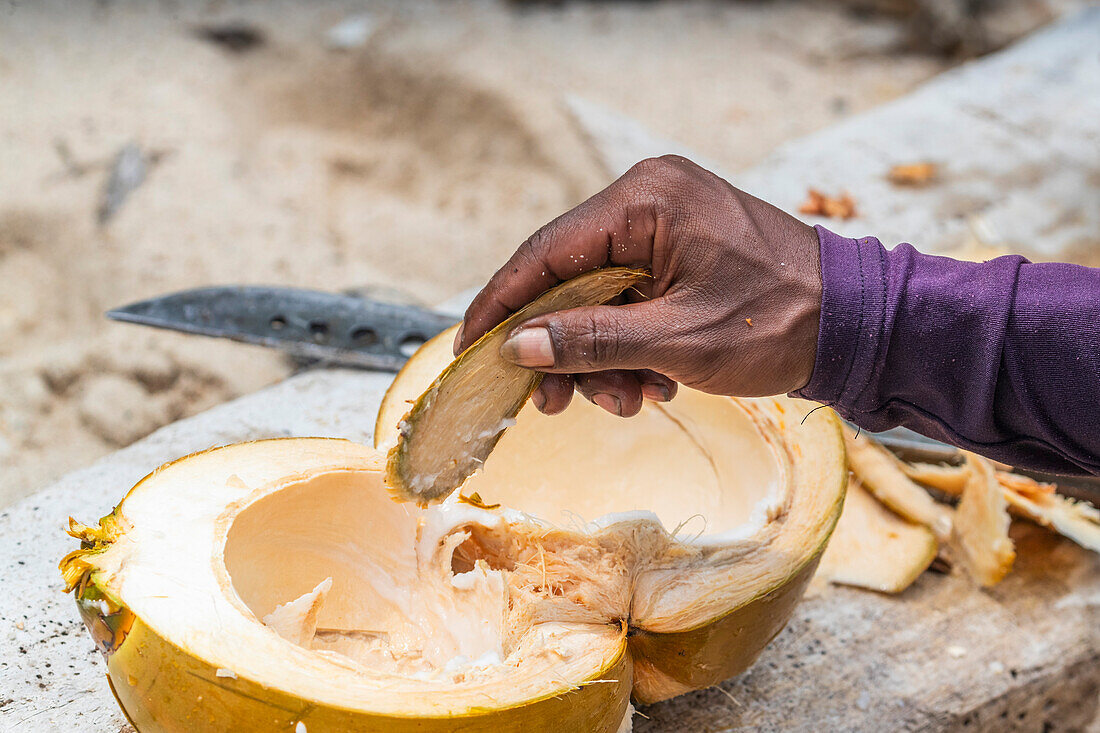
[{"x": 732, "y": 308}]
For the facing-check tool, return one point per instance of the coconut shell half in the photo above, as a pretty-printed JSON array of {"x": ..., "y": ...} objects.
[
  {"x": 698, "y": 523},
  {"x": 175, "y": 586}
]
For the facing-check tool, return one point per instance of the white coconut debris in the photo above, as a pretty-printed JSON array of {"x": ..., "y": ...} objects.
[
  {"x": 351, "y": 32},
  {"x": 628, "y": 720}
]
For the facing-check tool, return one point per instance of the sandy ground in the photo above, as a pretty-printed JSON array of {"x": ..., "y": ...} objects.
[{"x": 414, "y": 163}]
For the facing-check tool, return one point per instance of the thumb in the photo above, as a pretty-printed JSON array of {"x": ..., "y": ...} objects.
[{"x": 589, "y": 339}]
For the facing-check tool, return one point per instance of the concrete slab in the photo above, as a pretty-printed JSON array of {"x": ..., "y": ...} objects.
[
  {"x": 1016, "y": 137},
  {"x": 942, "y": 656}
]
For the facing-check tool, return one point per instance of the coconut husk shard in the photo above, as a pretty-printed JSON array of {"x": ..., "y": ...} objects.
[
  {"x": 981, "y": 525},
  {"x": 874, "y": 548},
  {"x": 456, "y": 422},
  {"x": 975, "y": 531},
  {"x": 883, "y": 475}
]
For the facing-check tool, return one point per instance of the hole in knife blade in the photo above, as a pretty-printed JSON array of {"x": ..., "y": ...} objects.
[
  {"x": 319, "y": 330},
  {"x": 363, "y": 336},
  {"x": 278, "y": 323},
  {"x": 411, "y": 343}
]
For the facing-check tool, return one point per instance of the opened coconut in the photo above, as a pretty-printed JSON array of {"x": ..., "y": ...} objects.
[{"x": 276, "y": 585}]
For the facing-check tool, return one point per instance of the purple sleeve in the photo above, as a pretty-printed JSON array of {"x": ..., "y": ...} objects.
[{"x": 999, "y": 357}]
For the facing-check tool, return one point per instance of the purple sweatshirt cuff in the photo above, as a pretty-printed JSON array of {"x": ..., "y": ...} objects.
[
  {"x": 1000, "y": 357},
  {"x": 853, "y": 299}
]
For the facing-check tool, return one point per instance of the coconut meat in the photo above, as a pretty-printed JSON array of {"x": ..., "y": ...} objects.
[
  {"x": 700, "y": 466},
  {"x": 392, "y": 602}
]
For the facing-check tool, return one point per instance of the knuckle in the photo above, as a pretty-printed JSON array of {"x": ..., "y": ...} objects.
[
  {"x": 667, "y": 180},
  {"x": 661, "y": 168},
  {"x": 535, "y": 245},
  {"x": 605, "y": 338},
  {"x": 648, "y": 166},
  {"x": 649, "y": 181},
  {"x": 589, "y": 341},
  {"x": 674, "y": 162}
]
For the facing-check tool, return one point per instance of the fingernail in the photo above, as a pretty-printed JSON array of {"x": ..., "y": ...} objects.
[
  {"x": 529, "y": 347},
  {"x": 458, "y": 339},
  {"x": 539, "y": 399},
  {"x": 609, "y": 402},
  {"x": 655, "y": 392}
]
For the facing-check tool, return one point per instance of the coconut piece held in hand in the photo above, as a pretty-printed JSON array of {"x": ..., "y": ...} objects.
[{"x": 453, "y": 426}]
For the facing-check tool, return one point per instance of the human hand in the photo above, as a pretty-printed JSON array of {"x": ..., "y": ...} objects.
[{"x": 733, "y": 306}]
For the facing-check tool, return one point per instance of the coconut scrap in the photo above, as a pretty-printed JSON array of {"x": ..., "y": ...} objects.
[
  {"x": 948, "y": 479},
  {"x": 1037, "y": 501},
  {"x": 874, "y": 548},
  {"x": 1076, "y": 520},
  {"x": 457, "y": 421},
  {"x": 913, "y": 174},
  {"x": 881, "y": 472},
  {"x": 296, "y": 620},
  {"x": 475, "y": 500},
  {"x": 981, "y": 524},
  {"x": 831, "y": 207},
  {"x": 1023, "y": 485}
]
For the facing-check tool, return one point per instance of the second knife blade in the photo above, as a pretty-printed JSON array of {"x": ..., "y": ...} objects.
[{"x": 338, "y": 329}]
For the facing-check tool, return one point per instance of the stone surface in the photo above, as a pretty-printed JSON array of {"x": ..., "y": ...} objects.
[
  {"x": 1016, "y": 137},
  {"x": 942, "y": 656}
]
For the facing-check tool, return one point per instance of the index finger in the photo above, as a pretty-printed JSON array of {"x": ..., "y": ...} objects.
[{"x": 596, "y": 233}]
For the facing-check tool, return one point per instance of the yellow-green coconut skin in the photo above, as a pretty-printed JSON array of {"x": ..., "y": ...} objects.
[{"x": 161, "y": 688}]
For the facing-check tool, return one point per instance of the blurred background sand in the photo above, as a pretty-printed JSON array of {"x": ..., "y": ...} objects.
[{"x": 407, "y": 158}]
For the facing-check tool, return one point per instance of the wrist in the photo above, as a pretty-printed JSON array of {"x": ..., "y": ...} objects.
[
  {"x": 806, "y": 316},
  {"x": 852, "y": 278}
]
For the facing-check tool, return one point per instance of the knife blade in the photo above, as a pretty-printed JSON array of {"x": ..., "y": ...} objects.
[{"x": 336, "y": 329}]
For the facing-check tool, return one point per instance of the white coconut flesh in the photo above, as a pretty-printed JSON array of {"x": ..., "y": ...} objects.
[{"x": 698, "y": 465}]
